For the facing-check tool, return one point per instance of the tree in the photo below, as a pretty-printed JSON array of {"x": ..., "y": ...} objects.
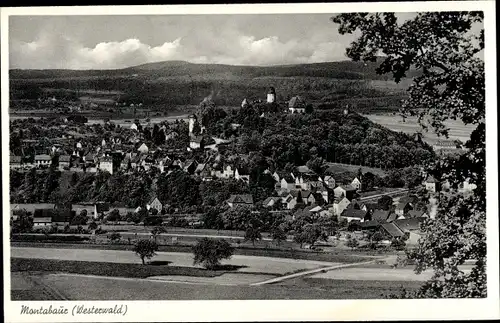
[
  {"x": 210, "y": 252},
  {"x": 158, "y": 230},
  {"x": 375, "y": 239},
  {"x": 385, "y": 202},
  {"x": 114, "y": 215},
  {"x": 92, "y": 225},
  {"x": 310, "y": 234},
  {"x": 252, "y": 233},
  {"x": 398, "y": 244},
  {"x": 145, "y": 249},
  {"x": 309, "y": 108},
  {"x": 79, "y": 219},
  {"x": 443, "y": 47},
  {"x": 352, "y": 243},
  {"x": 278, "y": 234}
]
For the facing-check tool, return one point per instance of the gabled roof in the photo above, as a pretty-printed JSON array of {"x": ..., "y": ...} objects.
[
  {"x": 392, "y": 217},
  {"x": 296, "y": 102},
  {"x": 415, "y": 214},
  {"x": 380, "y": 215},
  {"x": 43, "y": 157},
  {"x": 369, "y": 224},
  {"x": 241, "y": 198},
  {"x": 431, "y": 179},
  {"x": 402, "y": 205},
  {"x": 409, "y": 224},
  {"x": 354, "y": 213},
  {"x": 393, "y": 230},
  {"x": 305, "y": 194},
  {"x": 200, "y": 168},
  {"x": 153, "y": 200},
  {"x": 271, "y": 198}
]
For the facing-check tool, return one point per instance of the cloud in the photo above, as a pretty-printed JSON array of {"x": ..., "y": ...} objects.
[{"x": 56, "y": 50}]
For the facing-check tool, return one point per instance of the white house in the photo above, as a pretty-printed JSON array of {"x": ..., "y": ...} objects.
[
  {"x": 339, "y": 205},
  {"x": 43, "y": 160},
  {"x": 106, "y": 164},
  {"x": 432, "y": 185},
  {"x": 133, "y": 126},
  {"x": 356, "y": 183},
  {"x": 143, "y": 149},
  {"x": 155, "y": 204}
]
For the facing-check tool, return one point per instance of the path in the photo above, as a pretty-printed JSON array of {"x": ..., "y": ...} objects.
[{"x": 310, "y": 272}]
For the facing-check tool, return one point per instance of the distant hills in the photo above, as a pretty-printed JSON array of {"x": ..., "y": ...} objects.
[
  {"x": 169, "y": 84},
  {"x": 339, "y": 70}
]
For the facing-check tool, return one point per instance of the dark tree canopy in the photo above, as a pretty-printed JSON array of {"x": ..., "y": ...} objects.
[{"x": 444, "y": 48}]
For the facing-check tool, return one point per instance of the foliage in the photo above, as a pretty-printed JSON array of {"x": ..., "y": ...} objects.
[
  {"x": 385, "y": 202},
  {"x": 79, "y": 219},
  {"x": 114, "y": 237},
  {"x": 451, "y": 86},
  {"x": 352, "y": 243},
  {"x": 153, "y": 220},
  {"x": 210, "y": 252},
  {"x": 310, "y": 234},
  {"x": 398, "y": 244},
  {"x": 114, "y": 215},
  {"x": 157, "y": 230},
  {"x": 252, "y": 233},
  {"x": 92, "y": 225},
  {"x": 278, "y": 234},
  {"x": 145, "y": 249}
]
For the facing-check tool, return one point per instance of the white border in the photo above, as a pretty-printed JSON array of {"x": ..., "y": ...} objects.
[{"x": 326, "y": 310}]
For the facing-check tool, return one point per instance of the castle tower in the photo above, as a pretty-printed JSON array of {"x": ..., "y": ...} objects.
[
  {"x": 271, "y": 95},
  {"x": 192, "y": 120}
]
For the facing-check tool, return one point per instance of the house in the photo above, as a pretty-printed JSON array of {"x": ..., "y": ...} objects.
[
  {"x": 271, "y": 202},
  {"x": 143, "y": 149},
  {"x": 155, "y": 204},
  {"x": 380, "y": 216},
  {"x": 393, "y": 216},
  {"x": 240, "y": 200},
  {"x": 276, "y": 177},
  {"x": 106, "y": 164},
  {"x": 301, "y": 184},
  {"x": 64, "y": 161},
  {"x": 195, "y": 142},
  {"x": 352, "y": 214},
  {"x": 347, "y": 191},
  {"x": 42, "y": 221},
  {"x": 308, "y": 197},
  {"x": 356, "y": 183},
  {"x": 402, "y": 208},
  {"x": 43, "y": 160},
  {"x": 241, "y": 174},
  {"x": 134, "y": 126},
  {"x": 287, "y": 183},
  {"x": 90, "y": 208},
  {"x": 329, "y": 181},
  {"x": 297, "y": 105},
  {"x": 15, "y": 162},
  {"x": 190, "y": 166},
  {"x": 432, "y": 185},
  {"x": 339, "y": 205},
  {"x": 391, "y": 230},
  {"x": 293, "y": 198}
]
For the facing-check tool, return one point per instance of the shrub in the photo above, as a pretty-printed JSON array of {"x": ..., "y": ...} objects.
[
  {"x": 114, "y": 237},
  {"x": 210, "y": 252},
  {"x": 352, "y": 243}
]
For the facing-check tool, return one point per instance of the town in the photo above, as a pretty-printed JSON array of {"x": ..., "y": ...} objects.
[{"x": 145, "y": 177}]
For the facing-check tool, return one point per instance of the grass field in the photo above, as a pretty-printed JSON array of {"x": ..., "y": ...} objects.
[
  {"x": 75, "y": 287},
  {"x": 113, "y": 269},
  {"x": 338, "y": 255},
  {"x": 340, "y": 168}
]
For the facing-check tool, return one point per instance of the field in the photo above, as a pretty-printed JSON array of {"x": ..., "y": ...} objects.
[
  {"x": 340, "y": 168},
  {"x": 394, "y": 122}
]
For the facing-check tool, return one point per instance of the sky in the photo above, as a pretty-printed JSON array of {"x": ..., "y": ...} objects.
[{"x": 108, "y": 42}]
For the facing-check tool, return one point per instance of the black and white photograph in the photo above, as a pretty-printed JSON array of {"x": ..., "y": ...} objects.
[{"x": 183, "y": 154}]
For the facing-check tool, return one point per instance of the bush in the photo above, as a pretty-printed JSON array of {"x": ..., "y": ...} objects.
[
  {"x": 352, "y": 243},
  {"x": 114, "y": 237},
  {"x": 153, "y": 220},
  {"x": 210, "y": 252}
]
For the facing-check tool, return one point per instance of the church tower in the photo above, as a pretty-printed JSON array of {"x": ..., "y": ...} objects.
[{"x": 271, "y": 95}]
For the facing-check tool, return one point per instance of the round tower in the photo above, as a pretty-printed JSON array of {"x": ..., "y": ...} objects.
[
  {"x": 192, "y": 120},
  {"x": 271, "y": 95}
]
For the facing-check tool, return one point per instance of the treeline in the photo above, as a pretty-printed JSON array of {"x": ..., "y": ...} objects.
[
  {"x": 170, "y": 92},
  {"x": 329, "y": 135}
]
